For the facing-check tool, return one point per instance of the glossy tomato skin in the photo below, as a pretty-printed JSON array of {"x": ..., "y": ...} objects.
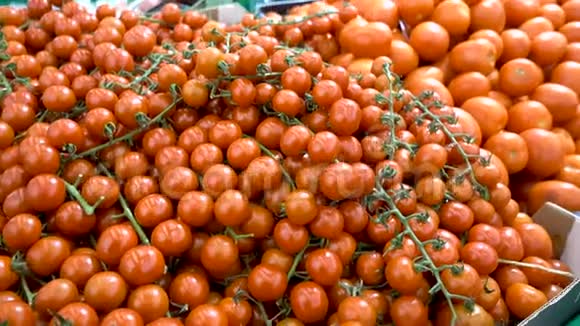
[
  {"x": 464, "y": 281},
  {"x": 7, "y": 275},
  {"x": 539, "y": 165},
  {"x": 122, "y": 316},
  {"x": 401, "y": 274},
  {"x": 309, "y": 302},
  {"x": 71, "y": 220},
  {"x": 324, "y": 266},
  {"x": 78, "y": 313},
  {"x": 172, "y": 237},
  {"x": 207, "y": 314},
  {"x": 219, "y": 254},
  {"x": 490, "y": 294},
  {"x": 409, "y": 310},
  {"x": 46, "y": 255},
  {"x": 223, "y": 165},
  {"x": 267, "y": 283},
  {"x": 9, "y": 296},
  {"x": 99, "y": 186},
  {"x": 114, "y": 241},
  {"x": 150, "y": 301},
  {"x": 80, "y": 267},
  {"x": 558, "y": 192},
  {"x": 480, "y": 255},
  {"x": 166, "y": 321},
  {"x": 356, "y": 309},
  {"x": 17, "y": 313},
  {"x": 523, "y": 299},
  {"x": 477, "y": 316},
  {"x": 105, "y": 291},
  {"x": 45, "y": 192},
  {"x": 536, "y": 240},
  {"x": 54, "y": 296},
  {"x": 191, "y": 288},
  {"x": 21, "y": 231},
  {"x": 238, "y": 311},
  {"x": 142, "y": 265}
]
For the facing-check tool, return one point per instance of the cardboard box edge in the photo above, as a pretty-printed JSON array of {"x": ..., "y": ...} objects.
[{"x": 547, "y": 315}]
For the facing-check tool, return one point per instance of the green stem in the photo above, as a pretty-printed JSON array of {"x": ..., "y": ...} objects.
[
  {"x": 269, "y": 153},
  {"x": 295, "y": 262},
  {"x": 28, "y": 295},
  {"x": 130, "y": 135},
  {"x": 482, "y": 190},
  {"x": 127, "y": 211},
  {"x": 390, "y": 102},
  {"x": 261, "y": 308},
  {"x": 428, "y": 261},
  {"x": 5, "y": 87},
  {"x": 229, "y": 231},
  {"x": 536, "y": 266},
  {"x": 76, "y": 195},
  {"x": 158, "y": 59},
  {"x": 60, "y": 320},
  {"x": 257, "y": 76},
  {"x": 381, "y": 194},
  {"x": 294, "y": 21},
  {"x": 152, "y": 20}
]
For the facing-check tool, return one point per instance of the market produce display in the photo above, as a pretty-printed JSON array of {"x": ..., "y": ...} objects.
[{"x": 373, "y": 162}]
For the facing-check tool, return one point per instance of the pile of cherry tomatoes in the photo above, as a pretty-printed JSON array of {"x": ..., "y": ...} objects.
[{"x": 373, "y": 162}]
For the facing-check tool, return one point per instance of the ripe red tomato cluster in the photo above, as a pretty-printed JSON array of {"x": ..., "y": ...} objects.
[{"x": 345, "y": 164}]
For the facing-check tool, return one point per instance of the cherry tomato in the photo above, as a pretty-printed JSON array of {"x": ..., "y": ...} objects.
[
  {"x": 475, "y": 316},
  {"x": 356, "y": 309},
  {"x": 523, "y": 299},
  {"x": 150, "y": 301},
  {"x": 17, "y": 313},
  {"x": 267, "y": 283},
  {"x": 142, "y": 265},
  {"x": 77, "y": 313},
  {"x": 402, "y": 275},
  {"x": 324, "y": 266},
  {"x": 207, "y": 314},
  {"x": 46, "y": 255},
  {"x": 191, "y": 288},
  {"x": 309, "y": 302},
  {"x": 123, "y": 316},
  {"x": 7, "y": 275},
  {"x": 54, "y": 296}
]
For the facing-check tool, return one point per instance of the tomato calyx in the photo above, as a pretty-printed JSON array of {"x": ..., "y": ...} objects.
[
  {"x": 354, "y": 290},
  {"x": 456, "y": 269},
  {"x": 437, "y": 243},
  {"x": 10, "y": 69},
  {"x": 60, "y": 320},
  {"x": 6, "y": 86},
  {"x": 266, "y": 108},
  {"x": 486, "y": 287},
  {"x": 182, "y": 309},
  {"x": 243, "y": 295},
  {"x": 18, "y": 264}
]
